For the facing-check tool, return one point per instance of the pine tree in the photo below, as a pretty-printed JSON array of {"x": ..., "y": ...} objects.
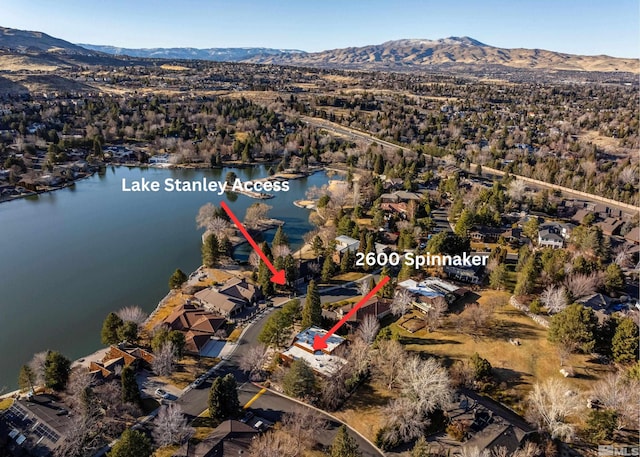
[
  {"x": 312, "y": 311},
  {"x": 264, "y": 274},
  {"x": 26, "y": 378},
  {"x": 498, "y": 277},
  {"x": 110, "y": 328},
  {"x": 130, "y": 390},
  {"x": 624, "y": 344},
  {"x": 177, "y": 279},
  {"x": 346, "y": 264},
  {"x": 210, "y": 250},
  {"x": 614, "y": 277},
  {"x": 574, "y": 327},
  {"x": 344, "y": 445},
  {"x": 299, "y": 381},
  {"x": 223, "y": 398},
  {"x": 56, "y": 370},
  {"x": 280, "y": 238},
  {"x": 328, "y": 269},
  {"x": 132, "y": 443},
  {"x": 421, "y": 448},
  {"x": 387, "y": 289}
]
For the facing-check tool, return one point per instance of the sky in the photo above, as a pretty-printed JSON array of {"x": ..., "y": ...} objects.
[{"x": 586, "y": 27}]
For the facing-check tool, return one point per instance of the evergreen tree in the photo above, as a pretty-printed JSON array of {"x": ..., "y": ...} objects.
[
  {"x": 344, "y": 445},
  {"x": 223, "y": 398},
  {"x": 328, "y": 269},
  {"x": 128, "y": 332},
  {"x": 388, "y": 288},
  {"x": 624, "y": 344},
  {"x": 421, "y": 448},
  {"x": 574, "y": 327},
  {"x": 346, "y": 264},
  {"x": 614, "y": 277},
  {"x": 177, "y": 279},
  {"x": 312, "y": 311},
  {"x": 132, "y": 443},
  {"x": 26, "y": 378},
  {"x": 280, "y": 238},
  {"x": 225, "y": 246},
  {"x": 264, "y": 274},
  {"x": 317, "y": 245},
  {"x": 527, "y": 276},
  {"x": 481, "y": 367},
  {"x": 130, "y": 390},
  {"x": 210, "y": 250},
  {"x": 498, "y": 277},
  {"x": 56, "y": 370},
  {"x": 110, "y": 328},
  {"x": 299, "y": 381}
]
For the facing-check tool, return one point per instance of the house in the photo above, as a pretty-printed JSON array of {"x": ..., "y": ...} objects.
[
  {"x": 160, "y": 159},
  {"x": 426, "y": 292},
  {"x": 579, "y": 216},
  {"x": 549, "y": 235},
  {"x": 610, "y": 226},
  {"x": 323, "y": 362},
  {"x": 375, "y": 306},
  {"x": 198, "y": 325},
  {"x": 633, "y": 236},
  {"x": 400, "y": 196},
  {"x": 485, "y": 234},
  {"x": 118, "y": 357},
  {"x": 36, "y": 426},
  {"x": 473, "y": 274},
  {"x": 229, "y": 439},
  {"x": 231, "y": 298},
  {"x": 566, "y": 230},
  {"x": 344, "y": 244}
]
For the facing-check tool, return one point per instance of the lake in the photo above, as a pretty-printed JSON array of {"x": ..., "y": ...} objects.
[{"x": 71, "y": 256}]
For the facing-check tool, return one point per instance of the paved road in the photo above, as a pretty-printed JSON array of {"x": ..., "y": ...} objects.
[{"x": 269, "y": 405}]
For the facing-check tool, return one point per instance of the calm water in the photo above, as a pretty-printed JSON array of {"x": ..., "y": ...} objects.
[{"x": 69, "y": 257}]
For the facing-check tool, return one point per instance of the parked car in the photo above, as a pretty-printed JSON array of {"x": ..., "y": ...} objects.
[{"x": 162, "y": 393}]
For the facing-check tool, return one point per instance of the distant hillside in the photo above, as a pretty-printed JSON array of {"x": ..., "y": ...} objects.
[
  {"x": 428, "y": 54},
  {"x": 214, "y": 54},
  {"x": 25, "y": 41}
]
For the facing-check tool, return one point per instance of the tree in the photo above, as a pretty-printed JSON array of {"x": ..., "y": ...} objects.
[
  {"x": 210, "y": 250},
  {"x": 421, "y": 448},
  {"x": 312, "y": 311},
  {"x": 26, "y": 378},
  {"x": 482, "y": 368},
  {"x": 601, "y": 424},
  {"x": 177, "y": 279},
  {"x": 163, "y": 335},
  {"x": 255, "y": 215},
  {"x": 498, "y": 277},
  {"x": 625, "y": 341},
  {"x": 128, "y": 332},
  {"x": 130, "y": 390},
  {"x": 280, "y": 238},
  {"x": 368, "y": 328},
  {"x": 132, "y": 443},
  {"x": 276, "y": 330},
  {"x": 252, "y": 360},
  {"x": 388, "y": 361},
  {"x": 56, "y": 370},
  {"x": 433, "y": 317},
  {"x": 387, "y": 290},
  {"x": 37, "y": 365},
  {"x": 620, "y": 393},
  {"x": 613, "y": 277},
  {"x": 164, "y": 361},
  {"x": 170, "y": 426},
  {"x": 223, "y": 398},
  {"x": 464, "y": 223},
  {"x": 303, "y": 425},
  {"x": 574, "y": 327},
  {"x": 554, "y": 298},
  {"x": 328, "y": 269},
  {"x": 550, "y": 405},
  {"x": 133, "y": 314},
  {"x": 110, "y": 328},
  {"x": 344, "y": 445},
  {"x": 401, "y": 302},
  {"x": 299, "y": 380},
  {"x": 264, "y": 274},
  {"x": 580, "y": 284},
  {"x": 530, "y": 228}
]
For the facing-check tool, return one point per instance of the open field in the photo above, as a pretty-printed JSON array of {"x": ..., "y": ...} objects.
[{"x": 188, "y": 369}]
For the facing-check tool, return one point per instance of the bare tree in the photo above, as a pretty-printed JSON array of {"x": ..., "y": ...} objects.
[
  {"x": 254, "y": 259},
  {"x": 554, "y": 298},
  {"x": 303, "y": 424},
  {"x": 401, "y": 302},
  {"x": 359, "y": 356},
  {"x": 474, "y": 451},
  {"x": 476, "y": 317},
  {"x": 363, "y": 287},
  {"x": 530, "y": 449},
  {"x": 133, "y": 314},
  {"x": 623, "y": 255},
  {"x": 218, "y": 225},
  {"x": 550, "y": 403},
  {"x": 281, "y": 250},
  {"x": 164, "y": 362},
  {"x": 622, "y": 394},
  {"x": 251, "y": 361},
  {"x": 403, "y": 422},
  {"x": 275, "y": 443},
  {"x": 37, "y": 365},
  {"x": 426, "y": 383},
  {"x": 579, "y": 284},
  {"x": 517, "y": 190},
  {"x": 255, "y": 215},
  {"x": 206, "y": 213},
  {"x": 82, "y": 437},
  {"x": 389, "y": 360},
  {"x": 368, "y": 328},
  {"x": 170, "y": 426},
  {"x": 433, "y": 317}
]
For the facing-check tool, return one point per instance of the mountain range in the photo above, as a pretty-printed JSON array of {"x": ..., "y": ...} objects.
[{"x": 397, "y": 55}]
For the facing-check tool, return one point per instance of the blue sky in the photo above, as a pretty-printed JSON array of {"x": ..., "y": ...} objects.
[{"x": 574, "y": 26}]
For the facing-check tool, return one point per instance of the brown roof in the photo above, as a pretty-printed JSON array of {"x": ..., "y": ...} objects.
[
  {"x": 195, "y": 341},
  {"x": 230, "y": 438},
  {"x": 633, "y": 235},
  {"x": 188, "y": 317},
  {"x": 375, "y": 306}
]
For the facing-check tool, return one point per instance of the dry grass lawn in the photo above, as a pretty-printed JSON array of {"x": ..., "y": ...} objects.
[
  {"x": 175, "y": 299},
  {"x": 362, "y": 411},
  {"x": 188, "y": 369},
  {"x": 516, "y": 368},
  {"x": 6, "y": 403}
]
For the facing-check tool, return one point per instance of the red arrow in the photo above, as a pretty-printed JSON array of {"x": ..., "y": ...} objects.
[
  {"x": 278, "y": 276},
  {"x": 320, "y": 342}
]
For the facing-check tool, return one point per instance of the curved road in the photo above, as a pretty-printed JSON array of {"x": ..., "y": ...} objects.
[{"x": 269, "y": 405}]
